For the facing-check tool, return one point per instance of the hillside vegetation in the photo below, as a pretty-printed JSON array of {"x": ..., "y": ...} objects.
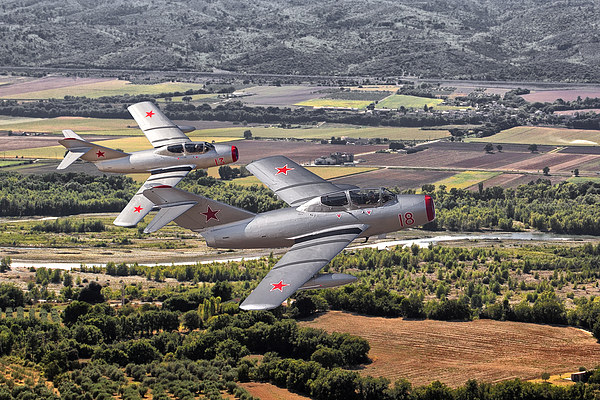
[{"x": 514, "y": 40}]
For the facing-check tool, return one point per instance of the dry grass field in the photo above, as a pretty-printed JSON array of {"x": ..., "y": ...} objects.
[
  {"x": 454, "y": 352},
  {"x": 334, "y": 103},
  {"x": 402, "y": 100},
  {"x": 93, "y": 88},
  {"x": 465, "y": 179},
  {"x": 267, "y": 391},
  {"x": 541, "y": 135}
]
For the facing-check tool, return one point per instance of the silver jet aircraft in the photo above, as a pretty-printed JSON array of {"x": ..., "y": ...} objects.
[
  {"x": 323, "y": 219},
  {"x": 173, "y": 157}
]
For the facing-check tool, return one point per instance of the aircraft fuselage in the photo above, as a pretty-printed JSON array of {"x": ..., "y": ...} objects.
[
  {"x": 282, "y": 228},
  {"x": 155, "y": 159}
]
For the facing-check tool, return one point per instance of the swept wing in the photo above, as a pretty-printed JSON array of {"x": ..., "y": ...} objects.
[
  {"x": 305, "y": 258},
  {"x": 139, "y": 205},
  {"x": 293, "y": 183},
  {"x": 159, "y": 129}
]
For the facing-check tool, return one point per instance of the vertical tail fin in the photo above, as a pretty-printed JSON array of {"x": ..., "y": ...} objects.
[
  {"x": 189, "y": 210},
  {"x": 80, "y": 148}
]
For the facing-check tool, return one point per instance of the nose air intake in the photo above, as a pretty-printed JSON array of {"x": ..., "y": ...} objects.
[{"x": 429, "y": 206}]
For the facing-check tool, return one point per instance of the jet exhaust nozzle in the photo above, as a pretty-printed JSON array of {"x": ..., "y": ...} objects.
[{"x": 326, "y": 281}]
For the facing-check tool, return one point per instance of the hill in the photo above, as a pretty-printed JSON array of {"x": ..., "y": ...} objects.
[{"x": 476, "y": 39}]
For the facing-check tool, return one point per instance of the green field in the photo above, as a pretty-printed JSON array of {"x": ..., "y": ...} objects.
[
  {"x": 335, "y": 103},
  {"x": 326, "y": 131},
  {"x": 81, "y": 125},
  {"x": 466, "y": 179},
  {"x": 402, "y": 100},
  {"x": 109, "y": 88},
  {"x": 118, "y": 127},
  {"x": 583, "y": 179},
  {"x": 541, "y": 135},
  {"x": 196, "y": 98}
]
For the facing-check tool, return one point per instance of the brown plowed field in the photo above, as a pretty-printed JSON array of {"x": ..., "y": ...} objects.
[
  {"x": 439, "y": 157},
  {"x": 556, "y": 162},
  {"x": 266, "y": 391},
  {"x": 30, "y": 142},
  {"x": 565, "y": 94},
  {"x": 514, "y": 180},
  {"x": 48, "y": 82},
  {"x": 454, "y": 352},
  {"x": 301, "y": 152},
  {"x": 402, "y": 178}
]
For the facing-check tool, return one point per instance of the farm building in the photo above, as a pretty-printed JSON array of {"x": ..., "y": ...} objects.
[
  {"x": 336, "y": 158},
  {"x": 579, "y": 376}
]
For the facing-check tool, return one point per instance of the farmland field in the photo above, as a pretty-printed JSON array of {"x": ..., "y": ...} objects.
[
  {"x": 97, "y": 89},
  {"x": 400, "y": 178},
  {"x": 329, "y": 172},
  {"x": 514, "y": 180},
  {"x": 541, "y": 135},
  {"x": 453, "y": 352},
  {"x": 465, "y": 179},
  {"x": 402, "y": 100},
  {"x": 81, "y": 125},
  {"x": 267, "y": 391},
  {"x": 119, "y": 127},
  {"x": 335, "y": 103},
  {"x": 565, "y": 94},
  {"x": 21, "y": 85},
  {"x": 279, "y": 96}
]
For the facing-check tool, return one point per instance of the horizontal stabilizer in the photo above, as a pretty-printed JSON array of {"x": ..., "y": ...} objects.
[
  {"x": 72, "y": 156},
  {"x": 203, "y": 213},
  {"x": 89, "y": 151},
  {"x": 166, "y": 215}
]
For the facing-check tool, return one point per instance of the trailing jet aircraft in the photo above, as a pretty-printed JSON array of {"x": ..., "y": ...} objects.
[
  {"x": 323, "y": 219},
  {"x": 173, "y": 157}
]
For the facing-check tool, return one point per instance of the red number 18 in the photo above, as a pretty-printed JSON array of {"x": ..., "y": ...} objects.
[{"x": 406, "y": 220}]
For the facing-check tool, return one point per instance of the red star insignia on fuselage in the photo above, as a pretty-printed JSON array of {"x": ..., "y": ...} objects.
[
  {"x": 283, "y": 170},
  {"x": 138, "y": 209},
  {"x": 279, "y": 286},
  {"x": 210, "y": 214},
  {"x": 149, "y": 114},
  {"x": 100, "y": 153}
]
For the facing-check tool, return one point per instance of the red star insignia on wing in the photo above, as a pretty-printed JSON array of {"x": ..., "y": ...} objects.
[
  {"x": 210, "y": 214},
  {"x": 149, "y": 114},
  {"x": 283, "y": 170},
  {"x": 279, "y": 286},
  {"x": 138, "y": 209},
  {"x": 100, "y": 153}
]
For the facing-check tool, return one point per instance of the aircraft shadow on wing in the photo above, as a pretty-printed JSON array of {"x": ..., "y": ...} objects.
[
  {"x": 174, "y": 155},
  {"x": 321, "y": 221}
]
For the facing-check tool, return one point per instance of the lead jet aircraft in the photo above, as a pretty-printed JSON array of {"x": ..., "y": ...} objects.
[
  {"x": 321, "y": 222},
  {"x": 173, "y": 157}
]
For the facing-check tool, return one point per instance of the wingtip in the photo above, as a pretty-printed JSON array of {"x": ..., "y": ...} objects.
[{"x": 258, "y": 307}]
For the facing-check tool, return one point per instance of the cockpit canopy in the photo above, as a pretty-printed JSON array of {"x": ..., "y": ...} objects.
[
  {"x": 349, "y": 199},
  {"x": 190, "y": 148}
]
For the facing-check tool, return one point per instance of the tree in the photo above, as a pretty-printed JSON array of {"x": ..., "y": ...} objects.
[
  {"x": 499, "y": 147},
  {"x": 5, "y": 264},
  {"x": 488, "y": 148},
  {"x": 533, "y": 148},
  {"x": 247, "y": 134},
  {"x": 67, "y": 280},
  {"x": 191, "y": 320},
  {"x": 91, "y": 293},
  {"x": 576, "y": 172},
  {"x": 546, "y": 171},
  {"x": 186, "y": 99}
]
